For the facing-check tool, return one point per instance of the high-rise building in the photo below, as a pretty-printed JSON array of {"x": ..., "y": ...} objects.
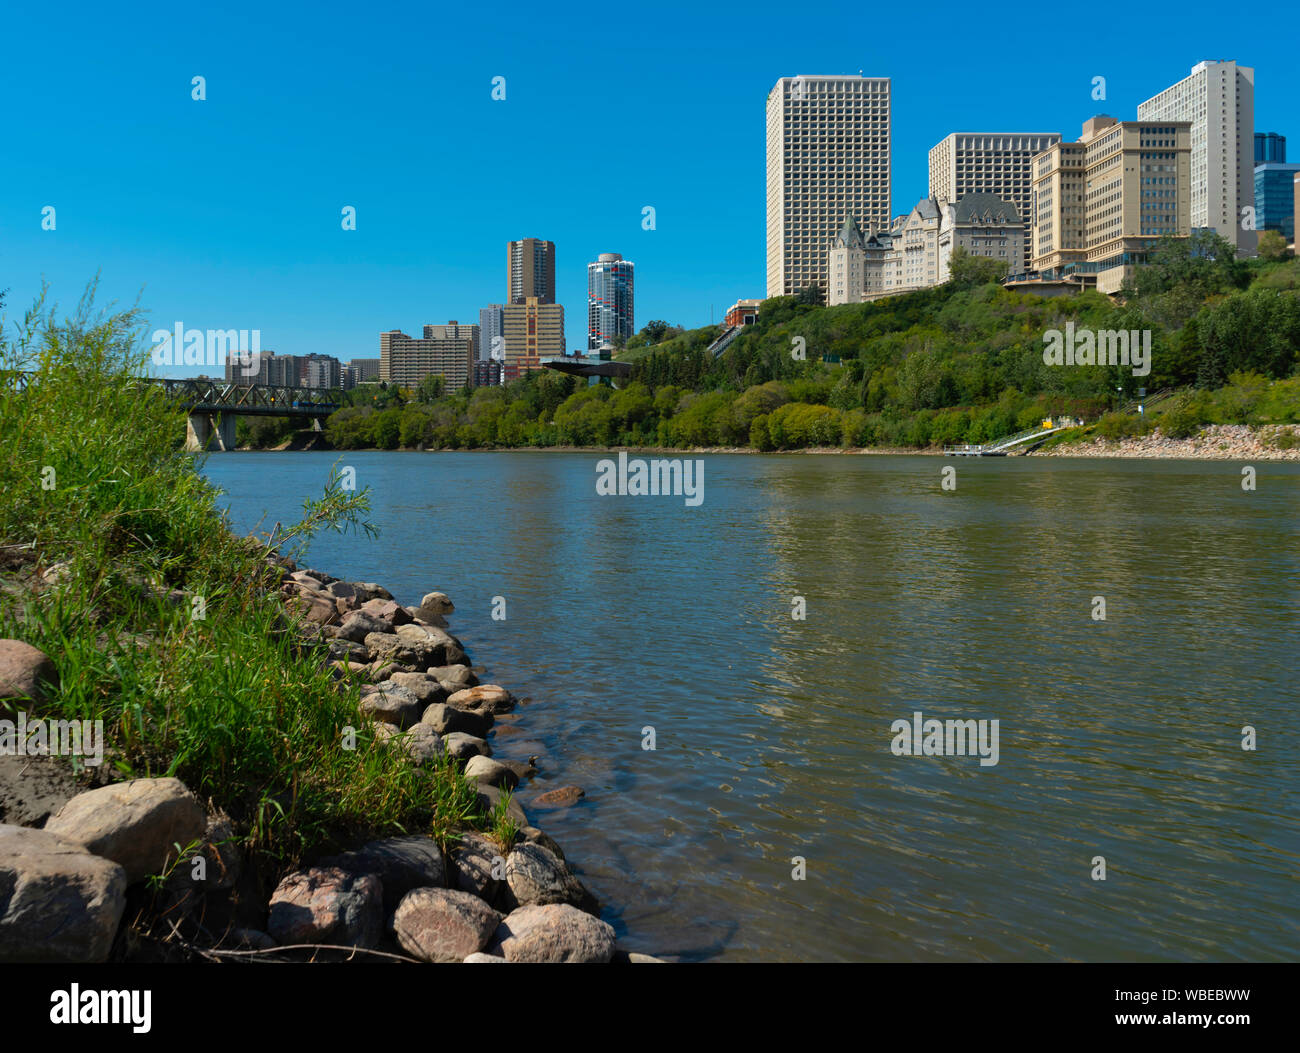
[
  {"x": 490, "y": 332},
  {"x": 365, "y": 369},
  {"x": 447, "y": 350},
  {"x": 1101, "y": 205},
  {"x": 827, "y": 158},
  {"x": 1270, "y": 147},
  {"x": 996, "y": 163},
  {"x": 532, "y": 331},
  {"x": 320, "y": 371},
  {"x": 1218, "y": 99},
  {"x": 530, "y": 270},
  {"x": 610, "y": 281},
  {"x": 1274, "y": 198}
]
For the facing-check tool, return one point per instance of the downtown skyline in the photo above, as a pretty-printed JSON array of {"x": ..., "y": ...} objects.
[{"x": 226, "y": 212}]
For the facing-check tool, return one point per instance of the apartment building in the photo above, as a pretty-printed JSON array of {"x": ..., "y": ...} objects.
[
  {"x": 532, "y": 331},
  {"x": 447, "y": 350},
  {"x": 1102, "y": 204},
  {"x": 828, "y": 154},
  {"x": 530, "y": 270},
  {"x": 999, "y": 164},
  {"x": 611, "y": 282},
  {"x": 1218, "y": 100}
]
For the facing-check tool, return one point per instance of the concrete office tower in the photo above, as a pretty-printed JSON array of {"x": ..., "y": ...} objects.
[
  {"x": 1218, "y": 98},
  {"x": 1274, "y": 203},
  {"x": 530, "y": 270},
  {"x": 490, "y": 322},
  {"x": 610, "y": 281},
  {"x": 996, "y": 163},
  {"x": 533, "y": 331},
  {"x": 1270, "y": 148},
  {"x": 446, "y": 350},
  {"x": 1102, "y": 204},
  {"x": 847, "y": 266},
  {"x": 827, "y": 158}
]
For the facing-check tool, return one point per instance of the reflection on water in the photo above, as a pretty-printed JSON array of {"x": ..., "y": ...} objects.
[{"x": 1119, "y": 738}]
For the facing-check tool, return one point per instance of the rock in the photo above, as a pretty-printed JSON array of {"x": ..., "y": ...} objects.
[
  {"x": 388, "y": 647},
  {"x": 376, "y": 592},
  {"x": 250, "y": 939},
  {"x": 133, "y": 823},
  {"x": 553, "y": 932},
  {"x": 521, "y": 769},
  {"x": 401, "y": 863},
  {"x": 424, "y": 688},
  {"x": 58, "y": 902},
  {"x": 535, "y": 836},
  {"x": 490, "y": 797},
  {"x": 423, "y": 617},
  {"x": 359, "y": 624},
  {"x": 477, "y": 865},
  {"x": 388, "y": 611},
  {"x": 453, "y": 677},
  {"x": 464, "y": 746},
  {"x": 484, "y": 959},
  {"x": 560, "y": 798},
  {"x": 225, "y": 861},
  {"x": 493, "y": 773},
  {"x": 430, "y": 646},
  {"x": 422, "y": 744},
  {"x": 485, "y": 698},
  {"x": 344, "y": 650},
  {"x": 345, "y": 590},
  {"x": 634, "y": 958},
  {"x": 443, "y": 925},
  {"x": 391, "y": 704},
  {"x": 26, "y": 674},
  {"x": 327, "y": 905},
  {"x": 313, "y": 610},
  {"x": 535, "y": 876},
  {"x": 312, "y": 579},
  {"x": 446, "y": 719},
  {"x": 437, "y": 603}
]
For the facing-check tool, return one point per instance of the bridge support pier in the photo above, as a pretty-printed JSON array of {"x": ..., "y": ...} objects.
[{"x": 210, "y": 431}]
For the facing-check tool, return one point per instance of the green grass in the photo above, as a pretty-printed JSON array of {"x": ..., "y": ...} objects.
[{"x": 93, "y": 475}]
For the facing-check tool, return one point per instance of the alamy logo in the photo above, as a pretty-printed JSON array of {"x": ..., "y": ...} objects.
[
  {"x": 656, "y": 478},
  {"x": 53, "y": 738},
  {"x": 1103, "y": 347},
  {"x": 212, "y": 347},
  {"x": 945, "y": 738},
  {"x": 76, "y": 1006}
]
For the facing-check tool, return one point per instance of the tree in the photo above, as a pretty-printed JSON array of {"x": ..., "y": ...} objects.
[
  {"x": 811, "y": 296},
  {"x": 430, "y": 388},
  {"x": 966, "y": 268},
  {"x": 1272, "y": 246}
]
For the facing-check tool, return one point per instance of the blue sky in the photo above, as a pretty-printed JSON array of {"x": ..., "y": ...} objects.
[{"x": 226, "y": 213}]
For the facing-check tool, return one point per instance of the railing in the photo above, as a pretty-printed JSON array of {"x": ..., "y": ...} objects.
[
  {"x": 217, "y": 396},
  {"x": 998, "y": 445},
  {"x": 724, "y": 340}
]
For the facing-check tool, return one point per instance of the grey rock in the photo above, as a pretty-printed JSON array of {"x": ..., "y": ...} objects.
[
  {"x": 443, "y": 925},
  {"x": 464, "y": 746},
  {"x": 390, "y": 703},
  {"x": 479, "y": 958},
  {"x": 437, "y": 603},
  {"x": 478, "y": 865},
  {"x": 537, "y": 837},
  {"x": 446, "y": 719},
  {"x": 423, "y": 687},
  {"x": 492, "y": 773},
  {"x": 536, "y": 876},
  {"x": 327, "y": 905},
  {"x": 401, "y": 863},
  {"x": 485, "y": 698},
  {"x": 359, "y": 624},
  {"x": 554, "y": 932},
  {"x": 58, "y": 902},
  {"x": 453, "y": 677},
  {"x": 135, "y": 824},
  {"x": 422, "y": 744},
  {"x": 490, "y": 797}
]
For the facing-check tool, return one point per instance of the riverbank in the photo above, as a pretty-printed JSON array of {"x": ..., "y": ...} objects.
[
  {"x": 1214, "y": 442},
  {"x": 494, "y": 888}
]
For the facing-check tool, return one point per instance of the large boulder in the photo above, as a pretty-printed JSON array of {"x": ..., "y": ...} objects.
[
  {"x": 477, "y": 865},
  {"x": 437, "y": 603},
  {"x": 463, "y": 747},
  {"x": 453, "y": 677},
  {"x": 445, "y": 719},
  {"x": 423, "y": 745},
  {"x": 387, "y": 610},
  {"x": 135, "y": 824},
  {"x": 423, "y": 687},
  {"x": 489, "y": 797},
  {"x": 430, "y": 646},
  {"x": 360, "y": 624},
  {"x": 535, "y": 876},
  {"x": 553, "y": 932},
  {"x": 485, "y": 698},
  {"x": 391, "y": 703},
  {"x": 58, "y": 902},
  {"x": 26, "y": 673},
  {"x": 401, "y": 863},
  {"x": 491, "y": 773},
  {"x": 443, "y": 925},
  {"x": 327, "y": 905}
]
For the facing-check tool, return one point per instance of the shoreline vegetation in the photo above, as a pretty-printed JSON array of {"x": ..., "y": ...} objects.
[
  {"x": 293, "y": 767},
  {"x": 967, "y": 362}
]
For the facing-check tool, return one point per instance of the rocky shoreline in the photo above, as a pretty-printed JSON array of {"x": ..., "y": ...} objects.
[{"x": 76, "y": 880}]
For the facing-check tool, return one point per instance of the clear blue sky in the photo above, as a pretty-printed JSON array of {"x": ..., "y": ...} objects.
[{"x": 226, "y": 213}]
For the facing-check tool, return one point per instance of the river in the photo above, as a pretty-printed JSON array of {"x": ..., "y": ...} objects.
[{"x": 772, "y": 820}]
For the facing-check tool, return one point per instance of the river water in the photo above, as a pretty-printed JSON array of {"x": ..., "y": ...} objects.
[{"x": 772, "y": 820}]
